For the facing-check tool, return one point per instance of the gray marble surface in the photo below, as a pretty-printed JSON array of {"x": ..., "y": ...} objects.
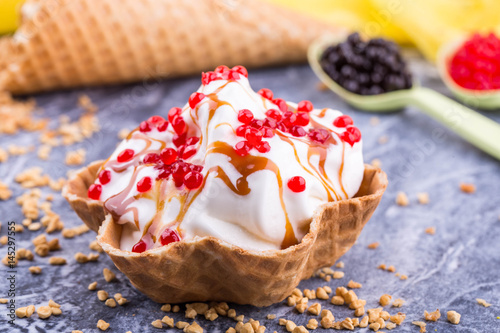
[{"x": 448, "y": 270}]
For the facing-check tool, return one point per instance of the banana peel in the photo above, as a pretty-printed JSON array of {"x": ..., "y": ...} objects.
[
  {"x": 427, "y": 24},
  {"x": 9, "y": 15}
]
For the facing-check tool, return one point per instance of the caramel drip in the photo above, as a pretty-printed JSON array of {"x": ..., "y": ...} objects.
[
  {"x": 327, "y": 187},
  {"x": 246, "y": 166},
  {"x": 341, "y": 170},
  {"x": 117, "y": 205}
]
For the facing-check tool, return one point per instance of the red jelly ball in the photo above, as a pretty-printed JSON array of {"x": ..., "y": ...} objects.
[
  {"x": 319, "y": 135},
  {"x": 188, "y": 152},
  {"x": 179, "y": 139},
  {"x": 94, "y": 191},
  {"x": 240, "y": 130},
  {"x": 221, "y": 69},
  {"x": 245, "y": 116},
  {"x": 302, "y": 118},
  {"x": 179, "y": 125},
  {"x": 297, "y": 184},
  {"x": 144, "y": 184},
  {"x": 274, "y": 114},
  {"x": 281, "y": 103},
  {"x": 343, "y": 121},
  {"x": 305, "y": 106},
  {"x": 193, "y": 140},
  {"x": 195, "y": 99},
  {"x": 242, "y": 148},
  {"x": 253, "y": 136},
  {"x": 263, "y": 147},
  {"x": 140, "y": 247},
  {"x": 144, "y": 127},
  {"x": 125, "y": 156},
  {"x": 151, "y": 158},
  {"x": 240, "y": 69},
  {"x": 351, "y": 135},
  {"x": 193, "y": 180},
  {"x": 267, "y": 132},
  {"x": 289, "y": 118},
  {"x": 104, "y": 176},
  {"x": 266, "y": 93},
  {"x": 155, "y": 119},
  {"x": 169, "y": 236},
  {"x": 162, "y": 126},
  {"x": 298, "y": 131},
  {"x": 168, "y": 155},
  {"x": 174, "y": 113}
]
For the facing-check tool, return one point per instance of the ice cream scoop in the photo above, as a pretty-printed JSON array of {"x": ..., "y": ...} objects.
[
  {"x": 470, "y": 125},
  {"x": 244, "y": 167}
]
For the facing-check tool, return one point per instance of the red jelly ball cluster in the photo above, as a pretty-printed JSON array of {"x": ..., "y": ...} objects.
[
  {"x": 168, "y": 236},
  {"x": 153, "y": 122},
  {"x": 352, "y": 134},
  {"x": 224, "y": 73},
  {"x": 476, "y": 65}
]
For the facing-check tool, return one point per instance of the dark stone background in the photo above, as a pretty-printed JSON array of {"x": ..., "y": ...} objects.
[{"x": 449, "y": 270}]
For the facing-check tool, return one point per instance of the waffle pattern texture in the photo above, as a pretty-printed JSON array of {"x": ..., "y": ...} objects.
[{"x": 71, "y": 43}]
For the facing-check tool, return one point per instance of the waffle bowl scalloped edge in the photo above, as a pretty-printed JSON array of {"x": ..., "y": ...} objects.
[{"x": 208, "y": 269}]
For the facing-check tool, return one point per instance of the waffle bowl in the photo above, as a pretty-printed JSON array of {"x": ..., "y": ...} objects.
[
  {"x": 208, "y": 269},
  {"x": 71, "y": 43}
]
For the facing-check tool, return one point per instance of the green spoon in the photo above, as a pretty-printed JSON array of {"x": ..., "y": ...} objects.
[
  {"x": 483, "y": 99},
  {"x": 470, "y": 125}
]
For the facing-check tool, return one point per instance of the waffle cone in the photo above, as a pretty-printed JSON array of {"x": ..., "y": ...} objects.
[
  {"x": 208, "y": 269},
  {"x": 71, "y": 43}
]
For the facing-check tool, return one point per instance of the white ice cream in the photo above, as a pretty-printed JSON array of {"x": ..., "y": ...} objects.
[{"x": 255, "y": 219}]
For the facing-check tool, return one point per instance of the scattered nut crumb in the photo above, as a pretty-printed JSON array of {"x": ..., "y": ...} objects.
[
  {"x": 44, "y": 312},
  {"x": 420, "y": 324},
  {"x": 354, "y": 285},
  {"x": 423, "y": 198},
  {"x": 467, "y": 188},
  {"x": 483, "y": 302},
  {"x": 110, "y": 302},
  {"x": 385, "y": 299},
  {"x": 76, "y": 157},
  {"x": 102, "y": 295},
  {"x": 93, "y": 285},
  {"x": 430, "y": 230},
  {"x": 432, "y": 316},
  {"x": 376, "y": 163},
  {"x": 108, "y": 275},
  {"x": 271, "y": 316},
  {"x": 391, "y": 269},
  {"x": 453, "y": 317},
  {"x": 123, "y": 133},
  {"x": 373, "y": 245},
  {"x": 35, "y": 270},
  {"x": 102, "y": 325},
  {"x": 312, "y": 324},
  {"x": 383, "y": 139},
  {"x": 5, "y": 192},
  {"x": 402, "y": 199},
  {"x": 57, "y": 261},
  {"x": 398, "y": 302}
]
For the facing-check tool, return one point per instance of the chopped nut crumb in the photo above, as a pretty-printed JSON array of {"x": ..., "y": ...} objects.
[
  {"x": 337, "y": 300},
  {"x": 94, "y": 246},
  {"x": 35, "y": 270},
  {"x": 44, "y": 152},
  {"x": 108, "y": 275},
  {"x": 420, "y": 324},
  {"x": 271, "y": 316},
  {"x": 423, "y": 198},
  {"x": 385, "y": 299},
  {"x": 102, "y": 325},
  {"x": 467, "y": 188},
  {"x": 300, "y": 329},
  {"x": 44, "y": 312},
  {"x": 312, "y": 324},
  {"x": 102, "y": 295},
  {"x": 430, "y": 230},
  {"x": 483, "y": 302},
  {"x": 110, "y": 302},
  {"x": 123, "y": 133},
  {"x": 376, "y": 163},
  {"x": 402, "y": 199},
  {"x": 364, "y": 322},
  {"x": 398, "y": 302},
  {"x": 340, "y": 264},
  {"x": 166, "y": 307},
  {"x": 3, "y": 301},
  {"x": 85, "y": 102},
  {"x": 391, "y": 269},
  {"x": 398, "y": 318},
  {"x": 321, "y": 293},
  {"x": 168, "y": 321},
  {"x": 193, "y": 328},
  {"x": 314, "y": 309},
  {"x": 403, "y": 277},
  {"x": 354, "y": 285},
  {"x": 290, "y": 325},
  {"x": 338, "y": 275},
  {"x": 453, "y": 317},
  {"x": 373, "y": 246},
  {"x": 5, "y": 192},
  {"x": 57, "y": 261},
  {"x": 383, "y": 139},
  {"x": 93, "y": 285}
]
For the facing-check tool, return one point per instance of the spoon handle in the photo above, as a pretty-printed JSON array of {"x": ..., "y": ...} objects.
[{"x": 479, "y": 130}]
